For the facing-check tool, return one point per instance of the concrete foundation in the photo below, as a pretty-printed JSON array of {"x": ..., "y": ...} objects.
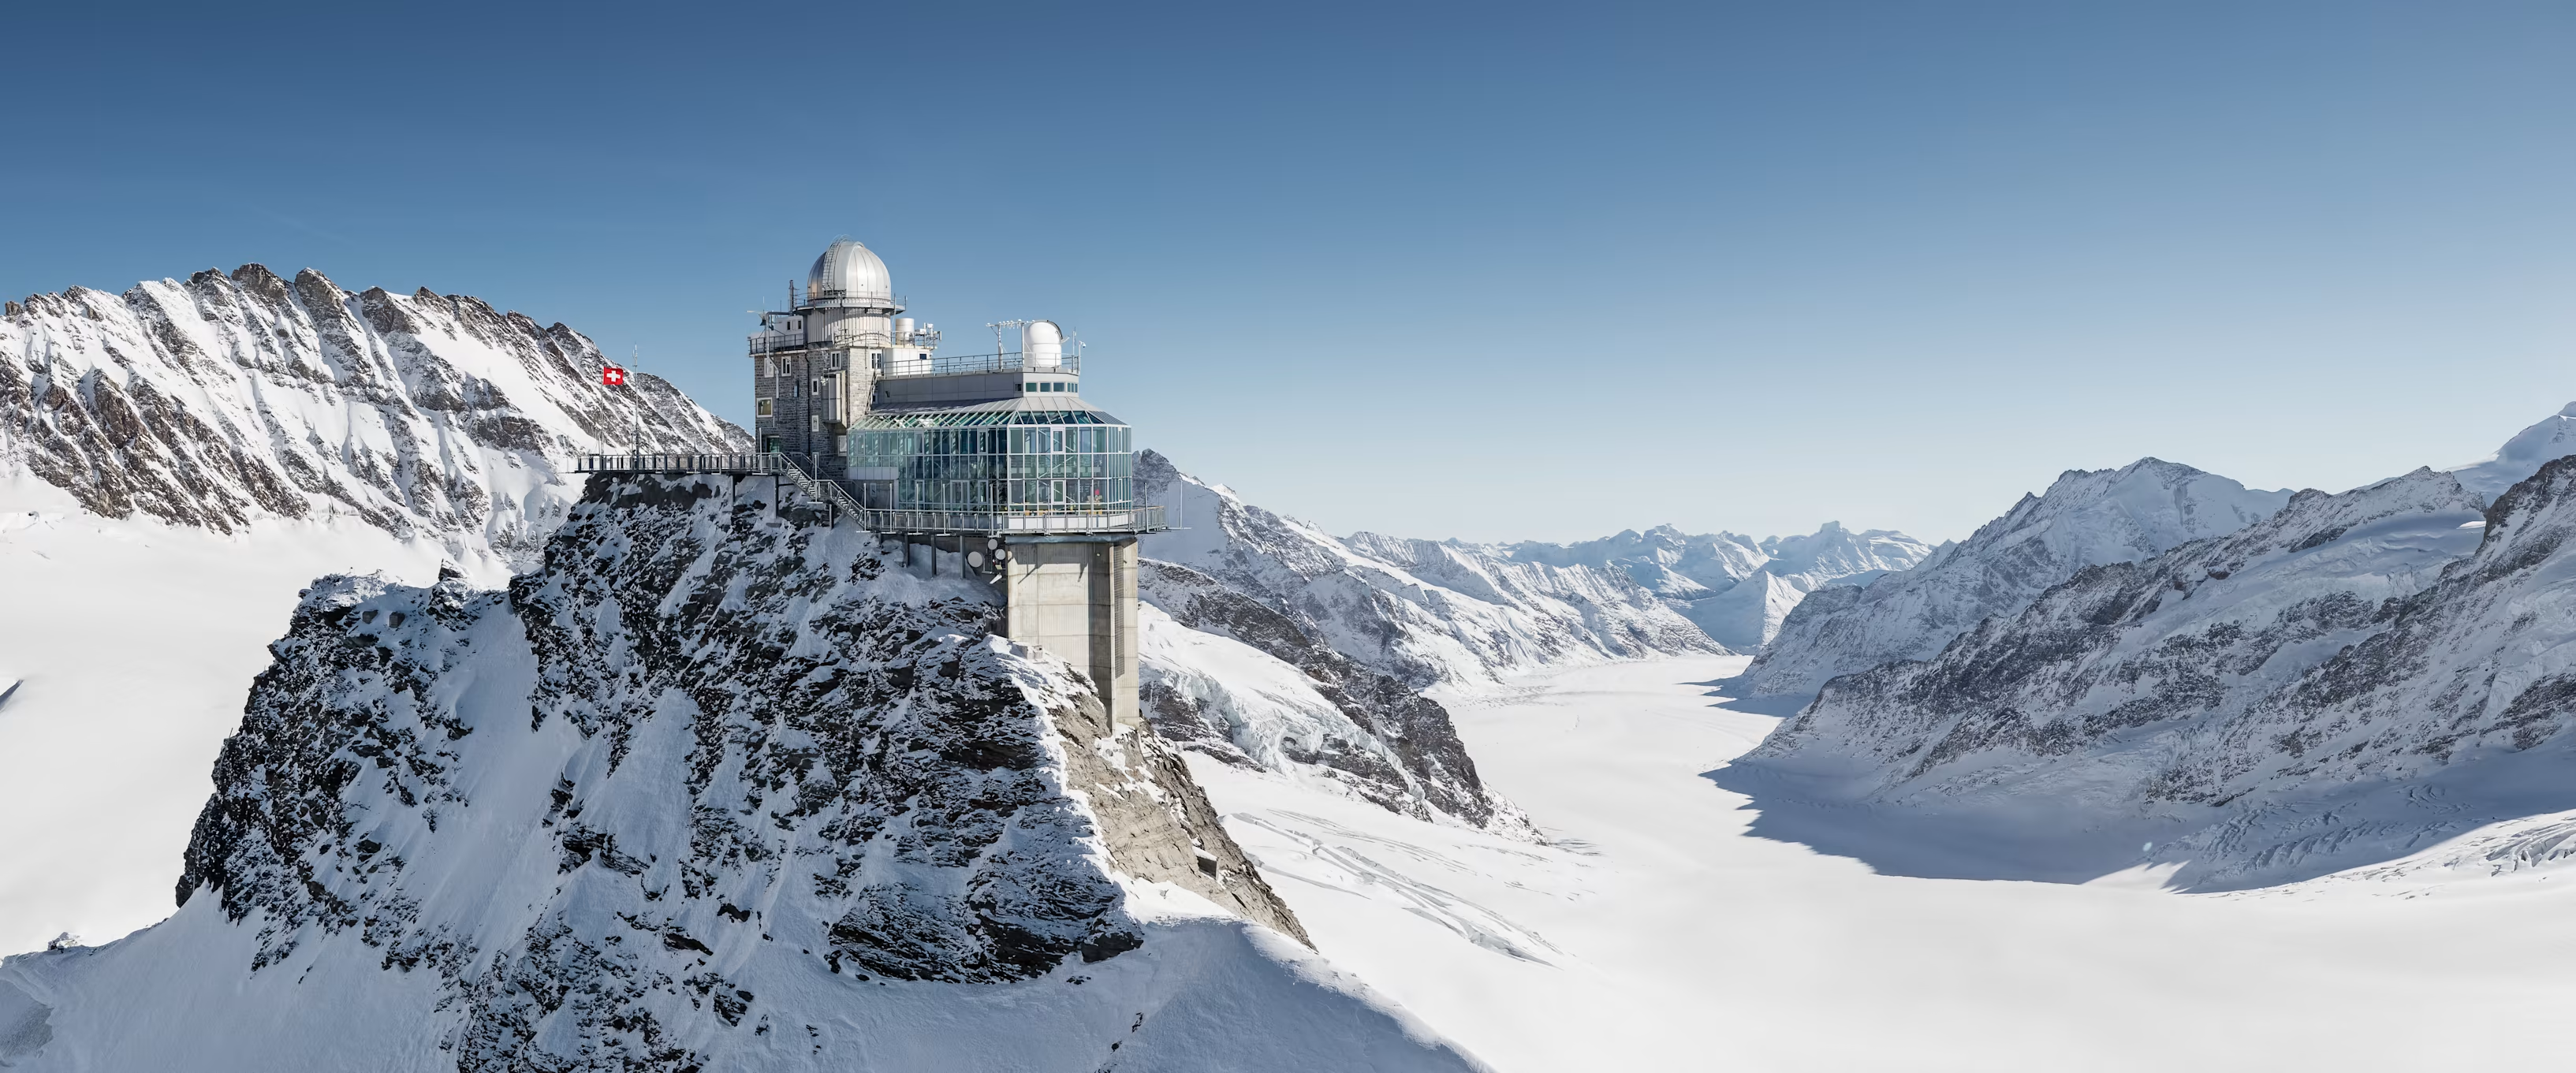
[{"x": 1077, "y": 599}]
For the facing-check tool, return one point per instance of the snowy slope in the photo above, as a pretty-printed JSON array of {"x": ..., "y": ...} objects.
[
  {"x": 2523, "y": 455},
  {"x": 223, "y": 400},
  {"x": 133, "y": 643},
  {"x": 1422, "y": 611},
  {"x": 176, "y": 463},
  {"x": 1736, "y": 588},
  {"x": 1226, "y": 676},
  {"x": 2085, "y": 519},
  {"x": 1653, "y": 932},
  {"x": 716, "y": 789},
  {"x": 2102, "y": 716}
]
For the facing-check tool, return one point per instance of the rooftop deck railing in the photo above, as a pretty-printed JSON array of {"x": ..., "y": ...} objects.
[
  {"x": 954, "y": 365},
  {"x": 1030, "y": 520},
  {"x": 978, "y": 363}
]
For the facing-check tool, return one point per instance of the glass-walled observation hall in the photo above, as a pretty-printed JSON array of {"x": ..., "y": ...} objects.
[{"x": 1033, "y": 459}]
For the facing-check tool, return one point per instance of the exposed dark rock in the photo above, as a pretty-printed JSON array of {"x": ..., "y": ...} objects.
[
  {"x": 220, "y": 400},
  {"x": 835, "y": 739},
  {"x": 1431, "y": 766},
  {"x": 2357, "y": 676}
]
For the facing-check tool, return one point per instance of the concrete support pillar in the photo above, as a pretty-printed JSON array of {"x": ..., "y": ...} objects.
[{"x": 1077, "y": 599}]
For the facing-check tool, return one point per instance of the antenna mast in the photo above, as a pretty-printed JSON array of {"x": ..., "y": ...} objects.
[{"x": 997, "y": 327}]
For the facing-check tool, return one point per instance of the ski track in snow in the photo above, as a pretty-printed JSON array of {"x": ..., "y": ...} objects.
[
  {"x": 1358, "y": 872},
  {"x": 1674, "y": 940}
]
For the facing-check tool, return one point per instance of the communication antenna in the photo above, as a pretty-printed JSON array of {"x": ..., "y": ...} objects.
[{"x": 997, "y": 327}]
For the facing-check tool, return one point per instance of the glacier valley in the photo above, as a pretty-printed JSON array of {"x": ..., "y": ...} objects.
[{"x": 343, "y": 726}]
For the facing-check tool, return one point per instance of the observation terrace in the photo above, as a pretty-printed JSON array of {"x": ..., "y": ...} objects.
[{"x": 1023, "y": 521}]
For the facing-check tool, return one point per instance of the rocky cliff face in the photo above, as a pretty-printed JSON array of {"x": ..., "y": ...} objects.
[
  {"x": 1736, "y": 588},
  {"x": 2331, "y": 687},
  {"x": 1425, "y": 612},
  {"x": 2085, "y": 519},
  {"x": 1227, "y": 676},
  {"x": 717, "y": 787},
  {"x": 220, "y": 400}
]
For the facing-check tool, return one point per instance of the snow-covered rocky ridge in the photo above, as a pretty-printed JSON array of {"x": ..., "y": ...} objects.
[
  {"x": 225, "y": 399},
  {"x": 2128, "y": 704},
  {"x": 176, "y": 462},
  {"x": 1426, "y": 612},
  {"x": 718, "y": 787},
  {"x": 2085, "y": 519},
  {"x": 2553, "y": 437},
  {"x": 1230, "y": 677},
  {"x": 1736, "y": 588}
]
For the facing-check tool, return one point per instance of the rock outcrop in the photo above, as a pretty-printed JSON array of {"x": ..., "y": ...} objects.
[
  {"x": 719, "y": 786},
  {"x": 1241, "y": 682}
]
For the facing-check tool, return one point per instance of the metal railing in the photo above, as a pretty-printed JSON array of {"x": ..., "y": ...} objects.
[
  {"x": 830, "y": 494},
  {"x": 1067, "y": 518},
  {"x": 1143, "y": 519},
  {"x": 963, "y": 364}
]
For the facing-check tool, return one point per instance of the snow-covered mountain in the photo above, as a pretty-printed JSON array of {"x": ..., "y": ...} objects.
[
  {"x": 2523, "y": 455},
  {"x": 176, "y": 462},
  {"x": 1228, "y": 676},
  {"x": 2351, "y": 681},
  {"x": 717, "y": 787},
  {"x": 2120, "y": 706},
  {"x": 1423, "y": 611},
  {"x": 1736, "y": 588},
  {"x": 2085, "y": 519},
  {"x": 223, "y": 400}
]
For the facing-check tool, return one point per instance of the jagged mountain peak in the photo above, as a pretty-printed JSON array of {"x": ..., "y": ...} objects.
[
  {"x": 227, "y": 399},
  {"x": 2086, "y": 518}
]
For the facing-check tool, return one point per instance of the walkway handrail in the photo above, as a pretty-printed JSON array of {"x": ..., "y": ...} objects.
[{"x": 1078, "y": 518}]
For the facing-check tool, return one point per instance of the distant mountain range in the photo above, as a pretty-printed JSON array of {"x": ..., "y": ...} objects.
[
  {"x": 2117, "y": 675},
  {"x": 1735, "y": 588}
]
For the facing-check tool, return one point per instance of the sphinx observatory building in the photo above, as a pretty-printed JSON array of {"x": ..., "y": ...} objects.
[{"x": 992, "y": 461}]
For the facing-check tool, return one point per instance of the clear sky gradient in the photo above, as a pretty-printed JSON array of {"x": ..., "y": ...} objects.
[{"x": 1457, "y": 270}]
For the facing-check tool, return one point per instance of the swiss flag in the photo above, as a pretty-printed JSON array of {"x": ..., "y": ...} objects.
[{"x": 612, "y": 376}]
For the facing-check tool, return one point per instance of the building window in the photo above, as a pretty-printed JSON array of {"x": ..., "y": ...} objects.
[{"x": 767, "y": 408}]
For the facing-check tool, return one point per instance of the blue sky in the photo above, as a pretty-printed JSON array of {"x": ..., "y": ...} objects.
[{"x": 1491, "y": 272}]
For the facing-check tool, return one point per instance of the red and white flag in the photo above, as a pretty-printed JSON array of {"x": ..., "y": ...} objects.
[{"x": 612, "y": 376}]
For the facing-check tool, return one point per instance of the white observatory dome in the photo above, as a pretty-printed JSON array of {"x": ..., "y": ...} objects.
[{"x": 848, "y": 275}]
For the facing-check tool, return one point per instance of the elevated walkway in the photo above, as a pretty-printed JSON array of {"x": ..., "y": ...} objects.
[{"x": 1071, "y": 522}]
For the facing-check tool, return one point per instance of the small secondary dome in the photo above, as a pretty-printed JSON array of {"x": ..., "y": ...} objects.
[{"x": 848, "y": 274}]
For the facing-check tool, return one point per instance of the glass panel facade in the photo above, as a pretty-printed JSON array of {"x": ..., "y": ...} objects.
[{"x": 1002, "y": 462}]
